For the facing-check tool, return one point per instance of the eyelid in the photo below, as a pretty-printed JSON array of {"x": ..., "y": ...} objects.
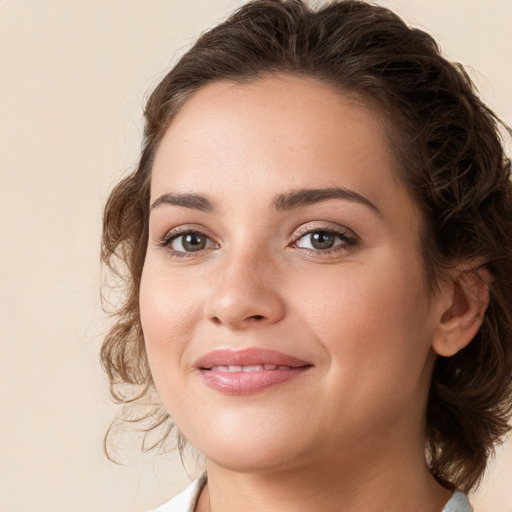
[
  {"x": 324, "y": 226},
  {"x": 350, "y": 238},
  {"x": 165, "y": 240}
]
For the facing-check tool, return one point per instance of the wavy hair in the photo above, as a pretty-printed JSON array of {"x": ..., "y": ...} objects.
[{"x": 451, "y": 160}]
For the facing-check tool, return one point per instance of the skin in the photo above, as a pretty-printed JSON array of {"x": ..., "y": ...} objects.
[{"x": 349, "y": 432}]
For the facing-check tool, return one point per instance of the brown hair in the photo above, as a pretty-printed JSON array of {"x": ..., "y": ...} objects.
[{"x": 452, "y": 162}]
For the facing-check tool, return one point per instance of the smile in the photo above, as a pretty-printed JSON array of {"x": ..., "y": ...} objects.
[
  {"x": 242, "y": 372},
  {"x": 250, "y": 368}
]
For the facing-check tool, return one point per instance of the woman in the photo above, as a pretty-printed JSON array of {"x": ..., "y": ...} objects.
[{"x": 318, "y": 241}]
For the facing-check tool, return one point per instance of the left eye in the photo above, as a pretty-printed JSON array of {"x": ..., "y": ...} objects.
[
  {"x": 190, "y": 242},
  {"x": 319, "y": 240}
]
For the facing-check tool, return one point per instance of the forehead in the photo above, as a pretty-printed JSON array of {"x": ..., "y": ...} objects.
[
  {"x": 283, "y": 110},
  {"x": 281, "y": 132}
]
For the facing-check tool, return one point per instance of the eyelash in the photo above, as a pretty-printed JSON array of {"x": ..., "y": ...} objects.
[
  {"x": 348, "y": 240},
  {"x": 176, "y": 233}
]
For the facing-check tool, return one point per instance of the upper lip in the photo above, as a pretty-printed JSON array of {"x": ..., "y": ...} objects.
[{"x": 248, "y": 357}]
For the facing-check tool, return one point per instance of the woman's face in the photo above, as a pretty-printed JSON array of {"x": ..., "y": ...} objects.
[{"x": 283, "y": 299}]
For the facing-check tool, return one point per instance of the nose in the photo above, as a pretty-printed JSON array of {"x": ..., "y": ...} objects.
[{"x": 245, "y": 293}]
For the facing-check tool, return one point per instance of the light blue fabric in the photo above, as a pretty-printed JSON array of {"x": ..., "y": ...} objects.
[
  {"x": 458, "y": 503},
  {"x": 186, "y": 501}
]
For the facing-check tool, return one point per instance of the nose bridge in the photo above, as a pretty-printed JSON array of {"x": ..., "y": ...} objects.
[{"x": 246, "y": 290}]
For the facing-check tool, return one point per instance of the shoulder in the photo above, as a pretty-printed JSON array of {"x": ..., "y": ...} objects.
[
  {"x": 458, "y": 503},
  {"x": 186, "y": 500}
]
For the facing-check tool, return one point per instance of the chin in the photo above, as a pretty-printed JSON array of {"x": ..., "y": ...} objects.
[
  {"x": 251, "y": 451},
  {"x": 241, "y": 459}
]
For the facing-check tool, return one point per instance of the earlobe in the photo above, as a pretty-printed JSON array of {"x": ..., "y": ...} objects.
[{"x": 464, "y": 311}]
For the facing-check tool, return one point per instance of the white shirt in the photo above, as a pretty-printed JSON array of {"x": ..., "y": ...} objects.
[{"x": 186, "y": 501}]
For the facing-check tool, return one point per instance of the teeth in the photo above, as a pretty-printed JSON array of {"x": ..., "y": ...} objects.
[
  {"x": 249, "y": 368},
  {"x": 253, "y": 368}
]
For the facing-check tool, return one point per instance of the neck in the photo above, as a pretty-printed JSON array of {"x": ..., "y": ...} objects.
[{"x": 373, "y": 478}]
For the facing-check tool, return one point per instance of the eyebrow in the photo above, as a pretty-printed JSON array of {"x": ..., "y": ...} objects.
[
  {"x": 288, "y": 201},
  {"x": 305, "y": 197},
  {"x": 193, "y": 201}
]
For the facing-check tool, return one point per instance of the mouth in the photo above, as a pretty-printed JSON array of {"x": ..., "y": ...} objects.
[
  {"x": 249, "y": 368},
  {"x": 242, "y": 372}
]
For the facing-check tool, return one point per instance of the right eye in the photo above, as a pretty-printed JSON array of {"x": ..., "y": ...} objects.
[
  {"x": 190, "y": 242},
  {"x": 187, "y": 242}
]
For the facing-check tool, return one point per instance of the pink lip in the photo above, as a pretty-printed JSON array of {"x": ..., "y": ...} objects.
[{"x": 246, "y": 382}]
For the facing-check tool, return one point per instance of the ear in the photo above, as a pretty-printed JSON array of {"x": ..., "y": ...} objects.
[{"x": 463, "y": 308}]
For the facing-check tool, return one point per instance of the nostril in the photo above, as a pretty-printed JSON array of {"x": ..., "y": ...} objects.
[{"x": 257, "y": 317}]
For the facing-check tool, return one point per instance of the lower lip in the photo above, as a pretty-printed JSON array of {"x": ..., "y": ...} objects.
[{"x": 245, "y": 383}]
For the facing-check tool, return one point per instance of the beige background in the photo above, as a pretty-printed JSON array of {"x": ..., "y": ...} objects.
[{"x": 73, "y": 75}]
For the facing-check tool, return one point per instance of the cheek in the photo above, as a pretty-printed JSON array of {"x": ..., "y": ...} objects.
[
  {"x": 373, "y": 316},
  {"x": 167, "y": 314}
]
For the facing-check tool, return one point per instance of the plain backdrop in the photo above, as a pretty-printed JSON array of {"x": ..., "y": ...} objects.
[{"x": 73, "y": 78}]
